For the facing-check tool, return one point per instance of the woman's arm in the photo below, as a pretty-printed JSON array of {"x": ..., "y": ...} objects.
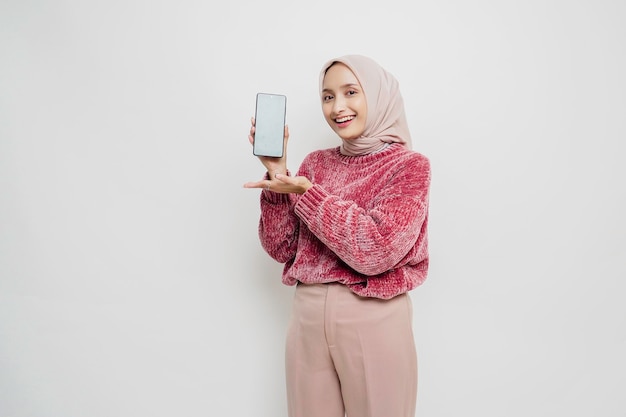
[
  {"x": 375, "y": 239},
  {"x": 278, "y": 225}
]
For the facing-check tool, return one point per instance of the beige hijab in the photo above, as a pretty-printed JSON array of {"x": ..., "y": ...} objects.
[{"x": 386, "y": 121}]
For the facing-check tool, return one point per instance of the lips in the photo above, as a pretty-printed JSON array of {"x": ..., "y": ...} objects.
[{"x": 344, "y": 121}]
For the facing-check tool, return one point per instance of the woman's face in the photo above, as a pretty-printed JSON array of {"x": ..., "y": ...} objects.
[{"x": 343, "y": 102}]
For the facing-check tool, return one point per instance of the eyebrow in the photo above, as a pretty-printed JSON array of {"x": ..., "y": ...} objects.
[{"x": 342, "y": 86}]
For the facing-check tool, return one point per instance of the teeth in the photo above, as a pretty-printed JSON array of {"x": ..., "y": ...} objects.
[{"x": 344, "y": 119}]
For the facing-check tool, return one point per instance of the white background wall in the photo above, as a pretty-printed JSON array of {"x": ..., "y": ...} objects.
[{"x": 132, "y": 282}]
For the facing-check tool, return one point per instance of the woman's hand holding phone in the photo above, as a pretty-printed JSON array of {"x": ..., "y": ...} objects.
[{"x": 276, "y": 168}]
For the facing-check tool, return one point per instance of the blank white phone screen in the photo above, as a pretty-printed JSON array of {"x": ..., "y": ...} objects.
[{"x": 269, "y": 124}]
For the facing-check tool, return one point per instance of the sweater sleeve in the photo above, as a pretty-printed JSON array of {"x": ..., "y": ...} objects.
[
  {"x": 381, "y": 236},
  {"x": 278, "y": 225}
]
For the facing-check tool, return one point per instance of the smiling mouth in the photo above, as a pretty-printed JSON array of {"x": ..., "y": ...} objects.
[{"x": 344, "y": 119}]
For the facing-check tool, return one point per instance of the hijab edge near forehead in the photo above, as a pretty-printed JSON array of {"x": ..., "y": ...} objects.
[{"x": 389, "y": 122}]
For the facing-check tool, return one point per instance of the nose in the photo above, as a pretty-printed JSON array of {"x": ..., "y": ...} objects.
[{"x": 339, "y": 105}]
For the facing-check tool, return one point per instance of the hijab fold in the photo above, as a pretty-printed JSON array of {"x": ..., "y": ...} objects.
[{"x": 386, "y": 120}]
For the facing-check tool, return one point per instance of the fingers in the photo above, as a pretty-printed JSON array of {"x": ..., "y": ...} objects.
[
  {"x": 257, "y": 184},
  {"x": 284, "y": 179},
  {"x": 263, "y": 184},
  {"x": 252, "y": 130},
  {"x": 283, "y": 184}
]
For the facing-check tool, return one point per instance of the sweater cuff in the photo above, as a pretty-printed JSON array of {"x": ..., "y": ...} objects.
[{"x": 310, "y": 201}]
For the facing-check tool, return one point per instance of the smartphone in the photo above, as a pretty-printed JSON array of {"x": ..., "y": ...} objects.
[{"x": 269, "y": 133}]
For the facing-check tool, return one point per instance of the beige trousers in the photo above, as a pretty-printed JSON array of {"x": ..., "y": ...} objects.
[{"x": 350, "y": 355}]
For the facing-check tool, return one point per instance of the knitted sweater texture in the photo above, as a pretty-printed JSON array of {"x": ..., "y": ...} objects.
[{"x": 362, "y": 224}]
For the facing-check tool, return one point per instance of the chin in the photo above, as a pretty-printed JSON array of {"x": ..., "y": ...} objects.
[{"x": 345, "y": 136}]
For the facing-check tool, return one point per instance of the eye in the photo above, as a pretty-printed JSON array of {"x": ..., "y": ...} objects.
[
  {"x": 351, "y": 92},
  {"x": 327, "y": 98}
]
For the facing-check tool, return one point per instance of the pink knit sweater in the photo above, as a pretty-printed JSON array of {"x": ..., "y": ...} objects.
[{"x": 362, "y": 224}]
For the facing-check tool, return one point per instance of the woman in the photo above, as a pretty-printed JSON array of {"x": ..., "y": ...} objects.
[{"x": 351, "y": 230}]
